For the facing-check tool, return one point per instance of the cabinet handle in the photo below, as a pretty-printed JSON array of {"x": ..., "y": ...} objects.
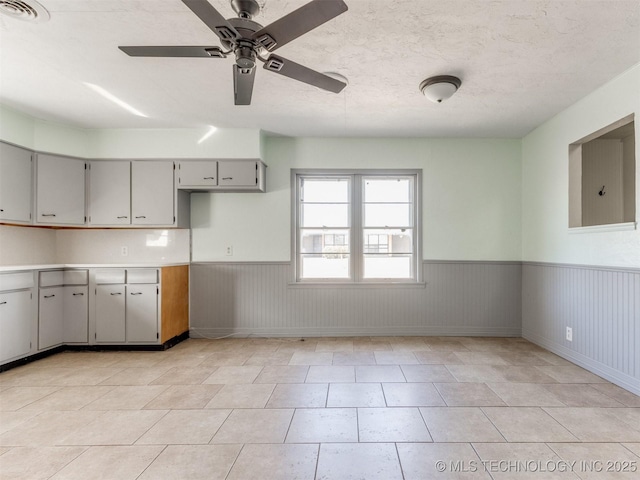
[
  {"x": 76, "y": 294},
  {"x": 48, "y": 215},
  {"x": 124, "y": 216},
  {"x": 3, "y": 303},
  {"x": 208, "y": 178},
  {"x": 117, "y": 293},
  {"x": 49, "y": 296},
  {"x": 136, "y": 293},
  {"x": 227, "y": 178},
  {"x": 1, "y": 209},
  {"x": 141, "y": 216}
]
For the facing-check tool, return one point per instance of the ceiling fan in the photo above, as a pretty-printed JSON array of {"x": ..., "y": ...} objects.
[{"x": 250, "y": 41}]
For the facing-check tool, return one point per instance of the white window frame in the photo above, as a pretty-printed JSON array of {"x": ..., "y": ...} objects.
[{"x": 356, "y": 230}]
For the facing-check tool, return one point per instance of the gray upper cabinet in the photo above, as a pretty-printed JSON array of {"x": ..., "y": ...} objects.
[
  {"x": 152, "y": 193},
  {"x": 239, "y": 175},
  {"x": 197, "y": 174},
  {"x": 110, "y": 193},
  {"x": 60, "y": 187},
  {"x": 15, "y": 184}
]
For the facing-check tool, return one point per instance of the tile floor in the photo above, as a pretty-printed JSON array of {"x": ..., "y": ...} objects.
[{"x": 358, "y": 408}]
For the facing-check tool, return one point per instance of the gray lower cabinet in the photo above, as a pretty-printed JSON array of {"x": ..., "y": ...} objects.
[
  {"x": 63, "y": 315},
  {"x": 110, "y": 314},
  {"x": 142, "y": 313},
  {"x": 126, "y": 306},
  {"x": 76, "y": 314},
  {"x": 50, "y": 317},
  {"x": 15, "y": 324}
]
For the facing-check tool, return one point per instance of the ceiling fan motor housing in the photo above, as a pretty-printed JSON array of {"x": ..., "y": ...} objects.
[{"x": 245, "y": 56}]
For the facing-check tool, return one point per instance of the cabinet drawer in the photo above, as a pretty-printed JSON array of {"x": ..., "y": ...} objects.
[
  {"x": 142, "y": 275},
  {"x": 51, "y": 279},
  {"x": 16, "y": 281},
  {"x": 110, "y": 275},
  {"x": 75, "y": 277}
]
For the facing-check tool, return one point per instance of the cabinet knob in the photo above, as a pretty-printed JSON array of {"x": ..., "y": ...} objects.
[
  {"x": 1, "y": 209},
  {"x": 48, "y": 215},
  {"x": 49, "y": 296}
]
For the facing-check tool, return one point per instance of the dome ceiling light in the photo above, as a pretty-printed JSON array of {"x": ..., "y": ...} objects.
[{"x": 440, "y": 88}]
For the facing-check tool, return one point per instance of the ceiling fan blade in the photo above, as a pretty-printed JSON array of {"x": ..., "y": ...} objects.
[
  {"x": 207, "y": 52},
  {"x": 298, "y": 22},
  {"x": 243, "y": 84},
  {"x": 301, "y": 73},
  {"x": 213, "y": 19}
]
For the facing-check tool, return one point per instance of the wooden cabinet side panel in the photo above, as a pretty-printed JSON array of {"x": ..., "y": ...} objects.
[{"x": 175, "y": 301}]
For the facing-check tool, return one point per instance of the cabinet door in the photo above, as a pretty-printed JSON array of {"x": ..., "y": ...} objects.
[
  {"x": 142, "y": 313},
  {"x": 50, "y": 318},
  {"x": 197, "y": 174},
  {"x": 75, "y": 310},
  {"x": 15, "y": 325},
  {"x": 152, "y": 193},
  {"x": 110, "y": 193},
  {"x": 60, "y": 190},
  {"x": 237, "y": 173},
  {"x": 15, "y": 184},
  {"x": 110, "y": 314}
]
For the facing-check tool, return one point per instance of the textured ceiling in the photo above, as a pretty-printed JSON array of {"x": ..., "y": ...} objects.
[{"x": 520, "y": 61}]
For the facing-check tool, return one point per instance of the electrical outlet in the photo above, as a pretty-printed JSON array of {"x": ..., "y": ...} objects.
[
  {"x": 569, "y": 334},
  {"x": 124, "y": 251},
  {"x": 229, "y": 251}
]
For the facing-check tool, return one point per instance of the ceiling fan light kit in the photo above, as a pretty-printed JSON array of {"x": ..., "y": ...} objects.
[
  {"x": 249, "y": 42},
  {"x": 440, "y": 88}
]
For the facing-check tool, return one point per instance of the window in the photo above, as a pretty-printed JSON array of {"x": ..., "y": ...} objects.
[
  {"x": 602, "y": 172},
  {"x": 359, "y": 226}
]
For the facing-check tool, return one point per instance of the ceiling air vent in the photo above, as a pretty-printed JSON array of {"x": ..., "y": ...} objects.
[{"x": 30, "y": 11}]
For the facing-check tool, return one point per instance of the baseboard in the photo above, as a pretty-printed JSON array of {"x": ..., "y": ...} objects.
[
  {"x": 32, "y": 358},
  {"x": 439, "y": 331},
  {"x": 95, "y": 348},
  {"x": 622, "y": 380}
]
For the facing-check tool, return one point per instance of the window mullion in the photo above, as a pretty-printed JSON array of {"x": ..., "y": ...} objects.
[{"x": 357, "y": 236}]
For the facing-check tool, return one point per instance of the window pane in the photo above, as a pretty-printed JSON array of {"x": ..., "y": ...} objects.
[
  {"x": 388, "y": 240},
  {"x": 387, "y": 190},
  {"x": 325, "y": 215},
  {"x": 387, "y": 215},
  {"x": 387, "y": 266},
  {"x": 324, "y": 241},
  {"x": 324, "y": 266},
  {"x": 325, "y": 190}
]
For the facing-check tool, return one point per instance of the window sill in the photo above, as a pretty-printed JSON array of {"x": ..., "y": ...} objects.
[
  {"x": 612, "y": 227},
  {"x": 334, "y": 285}
]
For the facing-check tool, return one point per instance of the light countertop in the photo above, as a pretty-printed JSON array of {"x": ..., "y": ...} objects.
[{"x": 58, "y": 266}]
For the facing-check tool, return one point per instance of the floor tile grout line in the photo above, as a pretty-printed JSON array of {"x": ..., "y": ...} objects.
[
  {"x": 492, "y": 422},
  {"x": 235, "y": 460},
  {"x": 399, "y": 460},
  {"x": 152, "y": 461}
]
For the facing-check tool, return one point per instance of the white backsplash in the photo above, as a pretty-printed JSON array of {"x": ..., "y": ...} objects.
[
  {"x": 27, "y": 245},
  {"x": 105, "y": 246}
]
